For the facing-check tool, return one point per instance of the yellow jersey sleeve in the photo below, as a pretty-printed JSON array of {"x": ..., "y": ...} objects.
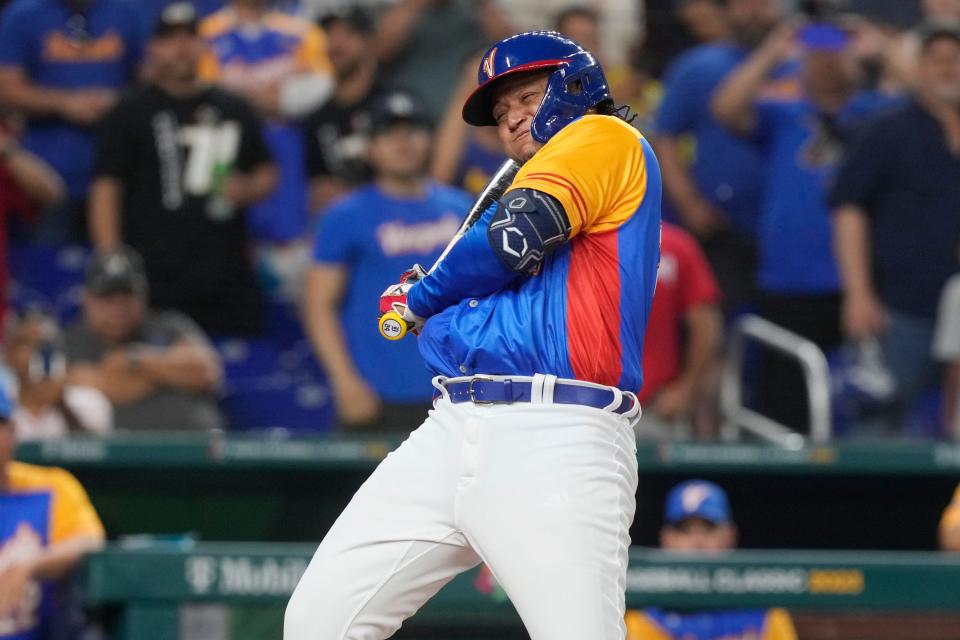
[
  {"x": 951, "y": 515},
  {"x": 778, "y": 626},
  {"x": 641, "y": 627},
  {"x": 311, "y": 55},
  {"x": 71, "y": 513},
  {"x": 595, "y": 167}
]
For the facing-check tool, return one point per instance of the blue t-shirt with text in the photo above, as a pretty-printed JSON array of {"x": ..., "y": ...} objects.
[
  {"x": 376, "y": 237},
  {"x": 57, "y": 47}
]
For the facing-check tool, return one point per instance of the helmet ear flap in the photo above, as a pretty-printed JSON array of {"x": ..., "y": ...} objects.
[{"x": 571, "y": 91}]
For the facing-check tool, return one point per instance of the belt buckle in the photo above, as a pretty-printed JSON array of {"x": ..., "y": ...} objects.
[{"x": 473, "y": 396}]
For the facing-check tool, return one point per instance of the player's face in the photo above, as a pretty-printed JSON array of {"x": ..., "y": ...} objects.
[
  {"x": 752, "y": 20},
  {"x": 939, "y": 70},
  {"x": 515, "y": 104},
  {"x": 175, "y": 56},
  {"x": 400, "y": 152},
  {"x": 113, "y": 317},
  {"x": 346, "y": 48},
  {"x": 696, "y": 535}
]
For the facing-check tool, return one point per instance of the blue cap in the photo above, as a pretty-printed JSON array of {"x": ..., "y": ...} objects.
[
  {"x": 823, "y": 36},
  {"x": 697, "y": 499},
  {"x": 6, "y": 405}
]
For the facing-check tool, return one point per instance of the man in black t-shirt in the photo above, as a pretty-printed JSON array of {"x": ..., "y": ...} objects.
[
  {"x": 336, "y": 135},
  {"x": 178, "y": 163}
]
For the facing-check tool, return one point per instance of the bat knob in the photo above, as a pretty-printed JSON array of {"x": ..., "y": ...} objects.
[{"x": 392, "y": 326}]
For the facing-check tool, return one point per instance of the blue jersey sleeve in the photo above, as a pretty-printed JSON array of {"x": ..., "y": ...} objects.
[
  {"x": 335, "y": 241},
  {"x": 471, "y": 269},
  {"x": 15, "y": 36},
  {"x": 771, "y": 116}
]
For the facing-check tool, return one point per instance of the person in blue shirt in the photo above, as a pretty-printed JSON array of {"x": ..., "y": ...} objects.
[
  {"x": 62, "y": 63},
  {"x": 802, "y": 139},
  {"x": 716, "y": 194},
  {"x": 400, "y": 218}
]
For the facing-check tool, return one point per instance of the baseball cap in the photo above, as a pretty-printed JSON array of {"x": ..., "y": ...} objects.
[
  {"x": 697, "y": 499},
  {"x": 396, "y": 107},
  {"x": 357, "y": 18},
  {"x": 823, "y": 36},
  {"x": 930, "y": 31},
  {"x": 118, "y": 271},
  {"x": 178, "y": 16}
]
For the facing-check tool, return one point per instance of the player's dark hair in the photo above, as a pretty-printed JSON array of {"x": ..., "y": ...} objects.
[{"x": 608, "y": 108}]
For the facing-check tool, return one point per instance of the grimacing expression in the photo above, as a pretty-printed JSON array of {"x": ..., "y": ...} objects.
[
  {"x": 515, "y": 103},
  {"x": 939, "y": 70}
]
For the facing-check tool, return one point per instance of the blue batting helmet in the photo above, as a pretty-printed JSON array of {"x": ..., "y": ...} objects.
[{"x": 576, "y": 84}]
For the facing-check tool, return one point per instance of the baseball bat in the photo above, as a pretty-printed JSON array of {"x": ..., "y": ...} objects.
[{"x": 392, "y": 325}]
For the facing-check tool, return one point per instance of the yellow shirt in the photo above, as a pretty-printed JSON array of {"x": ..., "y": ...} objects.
[{"x": 71, "y": 513}]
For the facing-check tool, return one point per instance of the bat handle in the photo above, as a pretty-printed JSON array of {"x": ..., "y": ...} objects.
[{"x": 392, "y": 326}]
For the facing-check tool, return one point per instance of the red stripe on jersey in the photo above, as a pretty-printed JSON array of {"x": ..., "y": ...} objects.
[
  {"x": 593, "y": 308},
  {"x": 566, "y": 184}
]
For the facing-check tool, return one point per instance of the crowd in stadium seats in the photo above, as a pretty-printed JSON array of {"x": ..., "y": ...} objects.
[{"x": 259, "y": 170}]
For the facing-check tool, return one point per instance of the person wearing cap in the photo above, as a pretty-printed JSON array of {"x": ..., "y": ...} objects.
[
  {"x": 802, "y": 140},
  {"x": 156, "y": 367},
  {"x": 896, "y": 229},
  {"x": 47, "y": 527},
  {"x": 279, "y": 63},
  {"x": 400, "y": 218},
  {"x": 49, "y": 404},
  {"x": 179, "y": 164},
  {"x": 336, "y": 134},
  {"x": 62, "y": 65},
  {"x": 697, "y": 519}
]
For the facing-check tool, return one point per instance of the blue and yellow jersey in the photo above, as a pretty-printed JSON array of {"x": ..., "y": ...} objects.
[
  {"x": 242, "y": 58},
  {"x": 42, "y": 506},
  {"x": 750, "y": 624},
  {"x": 584, "y": 314}
]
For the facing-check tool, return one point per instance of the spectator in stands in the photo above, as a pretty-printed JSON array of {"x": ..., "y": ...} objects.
[
  {"x": 412, "y": 32},
  {"x": 802, "y": 139},
  {"x": 362, "y": 242},
  {"x": 179, "y": 163},
  {"x": 946, "y": 349},
  {"x": 683, "y": 333},
  {"x": 28, "y": 185},
  {"x": 157, "y": 368},
  {"x": 47, "y": 527},
  {"x": 697, "y": 519},
  {"x": 949, "y": 532},
  {"x": 62, "y": 63},
  {"x": 464, "y": 156},
  {"x": 279, "y": 63},
  {"x": 896, "y": 229},
  {"x": 336, "y": 135},
  {"x": 718, "y": 196},
  {"x": 706, "y": 20},
  {"x": 49, "y": 406}
]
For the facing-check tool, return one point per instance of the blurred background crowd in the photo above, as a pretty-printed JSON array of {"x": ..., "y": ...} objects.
[{"x": 200, "y": 203}]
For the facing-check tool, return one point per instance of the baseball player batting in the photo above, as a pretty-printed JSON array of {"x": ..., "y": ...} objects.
[{"x": 533, "y": 325}]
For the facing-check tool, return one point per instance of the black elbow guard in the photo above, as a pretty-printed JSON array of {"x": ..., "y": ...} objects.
[{"x": 526, "y": 227}]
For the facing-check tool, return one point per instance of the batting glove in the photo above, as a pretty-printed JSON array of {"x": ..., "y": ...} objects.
[{"x": 395, "y": 298}]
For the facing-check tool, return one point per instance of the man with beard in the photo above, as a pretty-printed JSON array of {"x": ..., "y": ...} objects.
[
  {"x": 179, "y": 163},
  {"x": 896, "y": 227},
  {"x": 717, "y": 197}
]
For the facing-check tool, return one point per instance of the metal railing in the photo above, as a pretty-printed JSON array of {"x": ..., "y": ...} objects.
[{"x": 737, "y": 417}]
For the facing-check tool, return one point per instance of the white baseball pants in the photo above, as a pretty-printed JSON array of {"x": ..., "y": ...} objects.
[{"x": 543, "y": 493}]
